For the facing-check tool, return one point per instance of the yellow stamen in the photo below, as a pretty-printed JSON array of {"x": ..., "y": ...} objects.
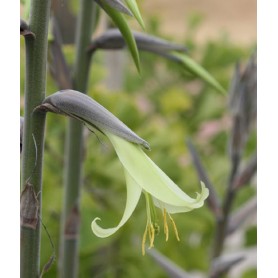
[
  {"x": 144, "y": 240},
  {"x": 166, "y": 229},
  {"x": 150, "y": 230},
  {"x": 175, "y": 227},
  {"x": 152, "y": 227},
  {"x": 151, "y": 235}
]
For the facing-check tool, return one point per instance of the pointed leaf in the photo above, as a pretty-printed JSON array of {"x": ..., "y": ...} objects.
[
  {"x": 121, "y": 23},
  {"x": 133, "y": 196},
  {"x": 199, "y": 71},
  {"x": 135, "y": 10},
  {"x": 115, "y": 4}
]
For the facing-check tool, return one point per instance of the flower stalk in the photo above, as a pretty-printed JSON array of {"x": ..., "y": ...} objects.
[
  {"x": 243, "y": 98},
  {"x": 70, "y": 222},
  {"x": 33, "y": 139}
]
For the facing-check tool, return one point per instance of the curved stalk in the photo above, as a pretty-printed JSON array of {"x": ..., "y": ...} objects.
[
  {"x": 74, "y": 147},
  {"x": 33, "y": 140}
]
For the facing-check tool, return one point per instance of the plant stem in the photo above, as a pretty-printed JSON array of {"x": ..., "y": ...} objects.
[
  {"x": 33, "y": 140},
  {"x": 222, "y": 223},
  {"x": 74, "y": 147}
]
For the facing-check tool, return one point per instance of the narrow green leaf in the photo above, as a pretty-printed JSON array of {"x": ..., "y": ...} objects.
[
  {"x": 199, "y": 71},
  {"x": 115, "y": 4},
  {"x": 121, "y": 23},
  {"x": 136, "y": 12}
]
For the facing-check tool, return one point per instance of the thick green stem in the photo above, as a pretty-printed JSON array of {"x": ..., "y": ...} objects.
[
  {"x": 74, "y": 147},
  {"x": 33, "y": 140}
]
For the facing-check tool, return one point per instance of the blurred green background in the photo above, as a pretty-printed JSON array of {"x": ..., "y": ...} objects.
[{"x": 165, "y": 108}]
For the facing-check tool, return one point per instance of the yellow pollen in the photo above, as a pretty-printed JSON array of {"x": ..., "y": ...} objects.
[
  {"x": 151, "y": 235},
  {"x": 150, "y": 231},
  {"x": 175, "y": 227}
]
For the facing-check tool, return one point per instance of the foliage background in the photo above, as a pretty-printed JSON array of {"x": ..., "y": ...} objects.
[{"x": 164, "y": 107}]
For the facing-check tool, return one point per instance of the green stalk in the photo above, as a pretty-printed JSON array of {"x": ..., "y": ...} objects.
[
  {"x": 33, "y": 140},
  {"x": 74, "y": 147}
]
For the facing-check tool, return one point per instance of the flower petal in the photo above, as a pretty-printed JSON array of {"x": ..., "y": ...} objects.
[
  {"x": 151, "y": 178},
  {"x": 178, "y": 209},
  {"x": 133, "y": 196}
]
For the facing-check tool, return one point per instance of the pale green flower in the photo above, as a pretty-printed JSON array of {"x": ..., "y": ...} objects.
[{"x": 141, "y": 173}]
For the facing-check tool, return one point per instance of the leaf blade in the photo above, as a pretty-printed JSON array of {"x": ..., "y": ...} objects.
[
  {"x": 121, "y": 23},
  {"x": 199, "y": 71},
  {"x": 132, "y": 5},
  {"x": 115, "y": 4}
]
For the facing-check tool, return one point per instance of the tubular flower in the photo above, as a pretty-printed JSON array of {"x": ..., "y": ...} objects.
[{"x": 141, "y": 173}]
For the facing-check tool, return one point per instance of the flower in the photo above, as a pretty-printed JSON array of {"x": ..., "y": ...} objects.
[{"x": 141, "y": 173}]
